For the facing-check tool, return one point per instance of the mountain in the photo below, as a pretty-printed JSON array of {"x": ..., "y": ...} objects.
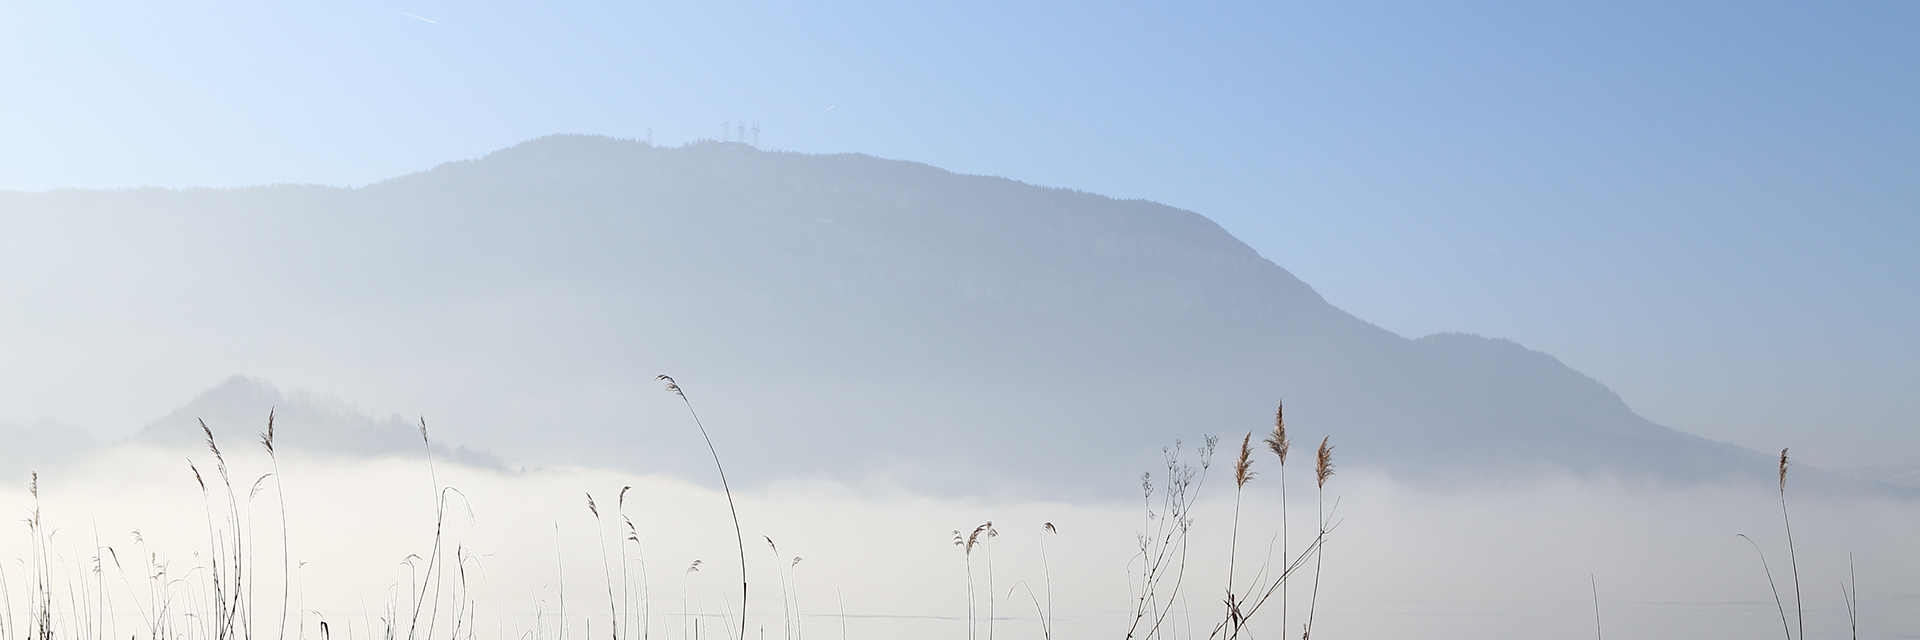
[{"x": 836, "y": 315}]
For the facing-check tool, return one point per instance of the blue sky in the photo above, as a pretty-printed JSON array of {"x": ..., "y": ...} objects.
[{"x": 1710, "y": 207}]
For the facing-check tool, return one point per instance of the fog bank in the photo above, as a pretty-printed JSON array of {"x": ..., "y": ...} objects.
[{"x": 1490, "y": 562}]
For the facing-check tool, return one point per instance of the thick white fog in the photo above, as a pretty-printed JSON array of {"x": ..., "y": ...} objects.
[{"x": 1495, "y": 561}]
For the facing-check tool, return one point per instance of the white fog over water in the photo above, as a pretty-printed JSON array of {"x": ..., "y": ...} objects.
[{"x": 1497, "y": 561}]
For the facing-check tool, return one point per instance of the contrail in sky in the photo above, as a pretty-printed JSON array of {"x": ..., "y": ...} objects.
[
  {"x": 824, "y": 112},
  {"x": 410, "y": 15}
]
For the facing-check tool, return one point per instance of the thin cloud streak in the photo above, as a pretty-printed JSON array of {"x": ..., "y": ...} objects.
[{"x": 410, "y": 15}]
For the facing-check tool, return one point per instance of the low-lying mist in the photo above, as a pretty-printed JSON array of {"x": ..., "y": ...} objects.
[{"x": 523, "y": 556}]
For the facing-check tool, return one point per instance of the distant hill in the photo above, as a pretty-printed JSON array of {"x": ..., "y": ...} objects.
[
  {"x": 841, "y": 315},
  {"x": 236, "y": 412}
]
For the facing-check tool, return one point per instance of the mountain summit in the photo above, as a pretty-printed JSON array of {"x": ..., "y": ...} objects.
[{"x": 847, "y": 315}]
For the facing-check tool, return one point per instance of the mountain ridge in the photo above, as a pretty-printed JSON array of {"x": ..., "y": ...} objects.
[{"x": 866, "y": 316}]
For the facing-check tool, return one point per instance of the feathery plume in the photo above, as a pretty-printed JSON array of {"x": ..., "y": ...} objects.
[
  {"x": 1279, "y": 443},
  {"x": 266, "y": 437},
  {"x": 1243, "y": 468},
  {"x": 1783, "y": 469},
  {"x": 210, "y": 445},
  {"x": 1323, "y": 465}
]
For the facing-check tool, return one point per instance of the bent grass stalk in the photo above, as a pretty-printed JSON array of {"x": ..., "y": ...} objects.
[
  {"x": 1799, "y": 612},
  {"x": 739, "y": 540},
  {"x": 1770, "y": 585}
]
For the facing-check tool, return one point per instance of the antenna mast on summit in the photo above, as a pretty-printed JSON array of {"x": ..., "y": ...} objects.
[{"x": 756, "y": 135}]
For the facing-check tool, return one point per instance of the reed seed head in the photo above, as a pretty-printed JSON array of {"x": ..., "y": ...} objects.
[
  {"x": 973, "y": 539},
  {"x": 1323, "y": 464},
  {"x": 1783, "y": 469},
  {"x": 210, "y": 445},
  {"x": 675, "y": 388},
  {"x": 1243, "y": 468},
  {"x": 33, "y": 483},
  {"x": 1279, "y": 443},
  {"x": 257, "y": 486},
  {"x": 592, "y": 507},
  {"x": 1049, "y": 528},
  {"x": 266, "y": 437}
]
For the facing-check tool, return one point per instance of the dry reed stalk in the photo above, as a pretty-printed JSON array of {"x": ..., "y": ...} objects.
[
  {"x": 966, "y": 544},
  {"x": 1595, "y": 585},
  {"x": 432, "y": 577},
  {"x": 1799, "y": 613},
  {"x": 794, "y": 579},
  {"x": 739, "y": 540},
  {"x": 626, "y": 583},
  {"x": 1322, "y": 469},
  {"x": 1280, "y": 444},
  {"x": 685, "y": 577},
  {"x": 601, "y": 530},
  {"x": 1852, "y": 598},
  {"x": 1242, "y": 472},
  {"x": 560, "y": 571},
  {"x": 786, "y": 610},
  {"x": 280, "y": 493},
  {"x": 1047, "y": 568},
  {"x": 1770, "y": 585},
  {"x": 991, "y": 534}
]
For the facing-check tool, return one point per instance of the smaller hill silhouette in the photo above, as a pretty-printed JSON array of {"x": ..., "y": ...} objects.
[{"x": 236, "y": 411}]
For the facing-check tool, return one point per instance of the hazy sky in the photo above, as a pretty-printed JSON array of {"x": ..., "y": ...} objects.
[{"x": 1708, "y": 207}]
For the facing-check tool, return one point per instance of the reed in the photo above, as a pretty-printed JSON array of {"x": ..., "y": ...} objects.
[
  {"x": 1770, "y": 584},
  {"x": 216, "y": 601},
  {"x": 280, "y": 500},
  {"x": 626, "y": 584},
  {"x": 738, "y": 539},
  {"x": 1851, "y": 597},
  {"x": 1242, "y": 472},
  {"x": 1594, "y": 584},
  {"x": 600, "y": 530},
  {"x": 1280, "y": 445},
  {"x": 1799, "y": 612},
  {"x": 786, "y": 609},
  {"x": 1046, "y": 629},
  {"x": 1322, "y": 469}
]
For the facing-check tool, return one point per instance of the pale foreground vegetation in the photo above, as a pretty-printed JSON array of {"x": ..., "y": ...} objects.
[{"x": 147, "y": 547}]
